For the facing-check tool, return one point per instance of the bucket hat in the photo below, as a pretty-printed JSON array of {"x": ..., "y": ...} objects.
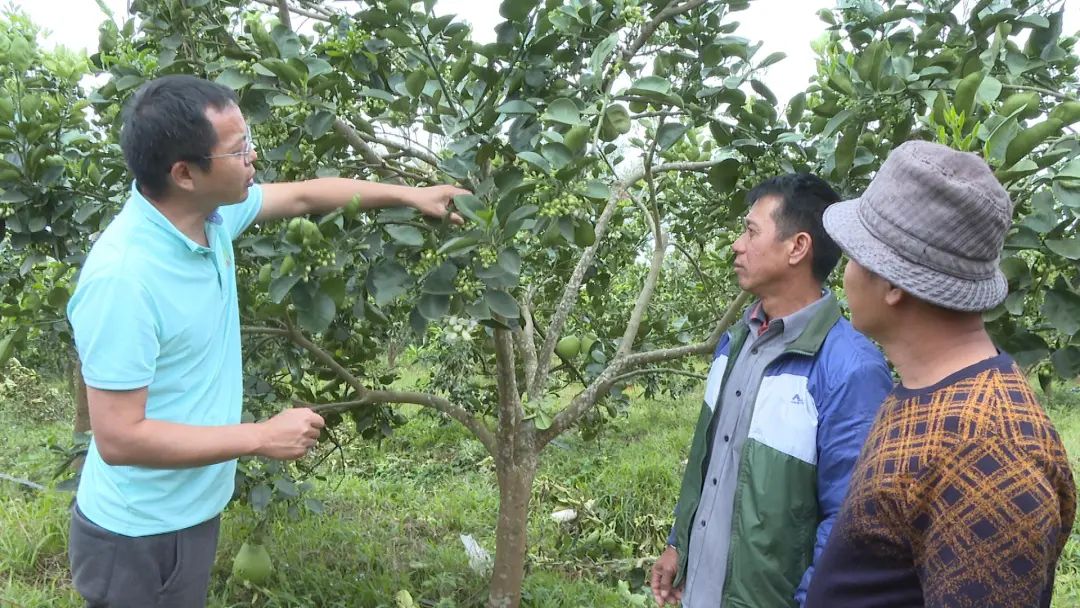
[{"x": 932, "y": 222}]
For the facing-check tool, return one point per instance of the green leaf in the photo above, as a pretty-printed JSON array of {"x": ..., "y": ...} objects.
[
  {"x": 409, "y": 236},
  {"x": 725, "y": 175},
  {"x": 1070, "y": 171},
  {"x": 433, "y": 306},
  {"x": 652, "y": 84},
  {"x": 233, "y": 78},
  {"x": 584, "y": 234},
  {"x": 509, "y": 261},
  {"x": 517, "y": 10},
  {"x": 597, "y": 190},
  {"x": 998, "y": 143},
  {"x": 988, "y": 91},
  {"x": 415, "y": 82},
  {"x": 616, "y": 121},
  {"x": 1067, "y": 248},
  {"x": 670, "y": 133},
  {"x": 316, "y": 313},
  {"x": 7, "y": 345},
  {"x": 536, "y": 160},
  {"x": 260, "y": 496},
  {"x": 388, "y": 281},
  {"x": 516, "y": 107},
  {"x": 836, "y": 122},
  {"x": 470, "y": 206},
  {"x": 760, "y": 88},
  {"x": 1066, "y": 362},
  {"x": 845, "y": 150},
  {"x": 398, "y": 37},
  {"x": 458, "y": 245},
  {"x": 318, "y": 123},
  {"x": 335, "y": 288},
  {"x": 286, "y": 487},
  {"x": 795, "y": 108},
  {"x": 542, "y": 421},
  {"x": 281, "y": 286},
  {"x": 1026, "y": 348},
  {"x": 441, "y": 280},
  {"x": 438, "y": 24},
  {"x": 602, "y": 52},
  {"x": 501, "y": 303},
  {"x": 122, "y": 84},
  {"x": 378, "y": 94},
  {"x": 1067, "y": 195},
  {"x": 563, "y": 110},
  {"x": 281, "y": 100},
  {"x": 316, "y": 66},
  {"x": 1062, "y": 309},
  {"x": 771, "y": 59},
  {"x": 557, "y": 154}
]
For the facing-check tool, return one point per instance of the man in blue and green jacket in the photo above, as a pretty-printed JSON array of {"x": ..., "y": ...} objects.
[{"x": 790, "y": 397}]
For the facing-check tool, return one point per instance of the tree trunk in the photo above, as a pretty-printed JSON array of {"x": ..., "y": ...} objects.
[
  {"x": 515, "y": 491},
  {"x": 82, "y": 406}
]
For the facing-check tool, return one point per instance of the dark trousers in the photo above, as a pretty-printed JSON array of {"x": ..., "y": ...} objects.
[{"x": 169, "y": 570}]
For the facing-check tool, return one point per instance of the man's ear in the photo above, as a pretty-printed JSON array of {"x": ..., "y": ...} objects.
[
  {"x": 181, "y": 174},
  {"x": 801, "y": 246},
  {"x": 894, "y": 295}
]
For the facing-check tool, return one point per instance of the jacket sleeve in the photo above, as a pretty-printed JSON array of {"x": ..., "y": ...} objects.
[{"x": 844, "y": 420}]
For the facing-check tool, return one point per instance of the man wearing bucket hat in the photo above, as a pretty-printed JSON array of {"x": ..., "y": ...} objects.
[{"x": 962, "y": 495}]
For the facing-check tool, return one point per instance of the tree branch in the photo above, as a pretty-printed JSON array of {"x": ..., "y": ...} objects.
[
  {"x": 475, "y": 425},
  {"x": 704, "y": 165},
  {"x": 657, "y": 21},
  {"x": 370, "y": 397},
  {"x": 659, "y": 248},
  {"x": 525, "y": 336},
  {"x": 536, "y": 383},
  {"x": 283, "y": 13},
  {"x": 511, "y": 413},
  {"x": 282, "y": 4},
  {"x": 600, "y": 386},
  {"x": 1044, "y": 91},
  {"x": 22, "y": 482},
  {"x": 694, "y": 264},
  {"x": 657, "y": 370},
  {"x": 403, "y": 148},
  {"x": 370, "y": 156}
]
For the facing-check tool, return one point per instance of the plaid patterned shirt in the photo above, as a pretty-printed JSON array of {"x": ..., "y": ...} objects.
[{"x": 962, "y": 496}]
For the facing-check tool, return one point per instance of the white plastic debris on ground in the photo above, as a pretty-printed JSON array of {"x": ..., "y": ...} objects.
[{"x": 479, "y": 559}]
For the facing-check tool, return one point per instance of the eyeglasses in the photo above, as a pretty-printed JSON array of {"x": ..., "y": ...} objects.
[{"x": 249, "y": 147}]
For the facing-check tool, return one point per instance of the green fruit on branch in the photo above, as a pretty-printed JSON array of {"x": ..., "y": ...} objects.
[
  {"x": 252, "y": 564},
  {"x": 287, "y": 265},
  {"x": 568, "y": 347}
]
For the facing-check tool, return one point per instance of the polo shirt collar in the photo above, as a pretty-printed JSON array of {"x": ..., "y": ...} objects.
[
  {"x": 150, "y": 212},
  {"x": 792, "y": 325}
]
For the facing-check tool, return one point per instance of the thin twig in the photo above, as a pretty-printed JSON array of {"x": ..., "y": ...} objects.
[
  {"x": 1023, "y": 87},
  {"x": 22, "y": 482},
  {"x": 600, "y": 385},
  {"x": 299, "y": 11},
  {"x": 657, "y": 370},
  {"x": 364, "y": 396}
]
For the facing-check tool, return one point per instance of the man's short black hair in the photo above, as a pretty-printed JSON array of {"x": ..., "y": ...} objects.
[
  {"x": 803, "y": 199},
  {"x": 165, "y": 122}
]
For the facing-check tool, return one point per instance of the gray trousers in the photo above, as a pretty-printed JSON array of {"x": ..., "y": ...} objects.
[{"x": 169, "y": 570}]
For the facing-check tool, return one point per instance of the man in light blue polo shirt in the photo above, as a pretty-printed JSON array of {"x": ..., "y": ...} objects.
[{"x": 157, "y": 327}]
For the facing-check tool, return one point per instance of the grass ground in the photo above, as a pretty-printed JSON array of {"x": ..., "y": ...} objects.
[{"x": 395, "y": 512}]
